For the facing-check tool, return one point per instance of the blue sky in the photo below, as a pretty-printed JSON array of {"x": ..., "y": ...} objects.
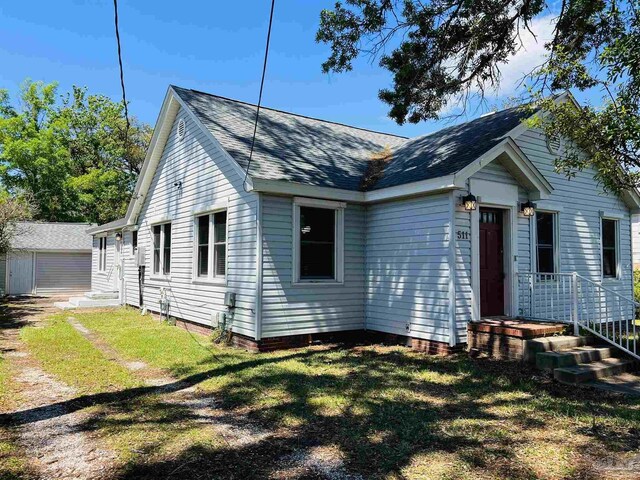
[{"x": 213, "y": 46}]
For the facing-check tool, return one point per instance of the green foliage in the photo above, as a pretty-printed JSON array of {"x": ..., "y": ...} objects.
[
  {"x": 12, "y": 211},
  {"x": 442, "y": 52},
  {"x": 72, "y": 154},
  {"x": 636, "y": 285}
]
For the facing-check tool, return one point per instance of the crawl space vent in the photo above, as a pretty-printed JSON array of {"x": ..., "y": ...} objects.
[
  {"x": 182, "y": 128},
  {"x": 554, "y": 143}
]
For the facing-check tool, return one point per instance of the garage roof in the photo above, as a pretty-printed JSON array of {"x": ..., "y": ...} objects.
[{"x": 52, "y": 236}]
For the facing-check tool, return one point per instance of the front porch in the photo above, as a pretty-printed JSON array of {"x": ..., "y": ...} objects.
[{"x": 506, "y": 338}]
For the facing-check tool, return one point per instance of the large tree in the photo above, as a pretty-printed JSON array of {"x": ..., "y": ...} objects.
[
  {"x": 444, "y": 51},
  {"x": 73, "y": 155}
]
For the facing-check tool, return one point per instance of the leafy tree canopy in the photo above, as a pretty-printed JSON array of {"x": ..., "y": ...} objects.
[
  {"x": 445, "y": 51},
  {"x": 72, "y": 154}
]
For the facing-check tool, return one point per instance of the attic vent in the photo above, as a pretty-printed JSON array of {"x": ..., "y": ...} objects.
[
  {"x": 182, "y": 128},
  {"x": 554, "y": 143}
]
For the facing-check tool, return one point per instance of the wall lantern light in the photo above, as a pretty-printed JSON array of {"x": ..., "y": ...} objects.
[
  {"x": 118, "y": 236},
  {"x": 470, "y": 202},
  {"x": 528, "y": 209}
]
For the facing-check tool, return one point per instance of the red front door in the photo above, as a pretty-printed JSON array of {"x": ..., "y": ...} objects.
[{"x": 491, "y": 263}]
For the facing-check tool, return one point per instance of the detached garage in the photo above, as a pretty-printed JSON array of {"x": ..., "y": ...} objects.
[{"x": 47, "y": 259}]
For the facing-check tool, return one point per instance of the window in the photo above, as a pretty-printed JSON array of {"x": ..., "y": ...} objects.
[
  {"x": 220, "y": 243},
  {"x": 203, "y": 246},
  {"x": 134, "y": 242},
  {"x": 609, "y": 248},
  {"x": 318, "y": 241},
  {"x": 211, "y": 245},
  {"x": 102, "y": 254},
  {"x": 546, "y": 242},
  {"x": 162, "y": 248}
]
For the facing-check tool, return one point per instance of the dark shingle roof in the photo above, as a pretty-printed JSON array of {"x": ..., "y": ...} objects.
[
  {"x": 52, "y": 236},
  {"x": 305, "y": 150}
]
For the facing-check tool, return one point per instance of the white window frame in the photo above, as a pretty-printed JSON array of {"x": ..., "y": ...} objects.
[
  {"x": 556, "y": 240},
  {"x": 160, "y": 273},
  {"x": 134, "y": 248},
  {"x": 617, "y": 277},
  {"x": 211, "y": 277},
  {"x": 102, "y": 254},
  {"x": 338, "y": 208}
]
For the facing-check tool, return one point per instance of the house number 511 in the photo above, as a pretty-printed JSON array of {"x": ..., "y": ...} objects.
[{"x": 463, "y": 234}]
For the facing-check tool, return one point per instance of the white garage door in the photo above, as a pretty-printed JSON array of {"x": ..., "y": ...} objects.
[{"x": 63, "y": 272}]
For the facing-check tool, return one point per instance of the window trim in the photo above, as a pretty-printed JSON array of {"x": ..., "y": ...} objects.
[
  {"x": 102, "y": 254},
  {"x": 159, "y": 275},
  {"x": 617, "y": 276},
  {"x": 211, "y": 278},
  {"x": 338, "y": 208},
  {"x": 134, "y": 245},
  {"x": 556, "y": 240}
]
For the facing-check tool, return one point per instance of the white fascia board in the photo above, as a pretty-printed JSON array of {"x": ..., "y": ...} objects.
[
  {"x": 281, "y": 187},
  {"x": 158, "y": 141},
  {"x": 518, "y": 161},
  {"x": 432, "y": 185},
  {"x": 235, "y": 165},
  {"x": 632, "y": 199}
]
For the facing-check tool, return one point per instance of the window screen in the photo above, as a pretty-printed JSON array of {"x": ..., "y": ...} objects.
[
  {"x": 203, "y": 246},
  {"x": 220, "y": 243},
  {"x": 156, "y": 249}
]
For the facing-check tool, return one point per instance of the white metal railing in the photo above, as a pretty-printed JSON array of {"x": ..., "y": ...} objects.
[{"x": 573, "y": 299}]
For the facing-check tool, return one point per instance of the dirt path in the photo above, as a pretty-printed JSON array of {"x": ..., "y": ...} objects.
[
  {"x": 53, "y": 437},
  {"x": 237, "y": 431}
]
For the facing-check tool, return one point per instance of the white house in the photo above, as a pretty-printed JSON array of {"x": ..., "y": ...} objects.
[
  {"x": 341, "y": 229},
  {"x": 47, "y": 259}
]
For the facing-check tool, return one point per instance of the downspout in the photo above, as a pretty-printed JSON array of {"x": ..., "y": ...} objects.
[
  {"x": 452, "y": 270},
  {"x": 258, "y": 286}
]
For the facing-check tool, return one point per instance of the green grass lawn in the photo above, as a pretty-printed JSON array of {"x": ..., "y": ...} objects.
[
  {"x": 14, "y": 460},
  {"x": 386, "y": 412},
  {"x": 64, "y": 352}
]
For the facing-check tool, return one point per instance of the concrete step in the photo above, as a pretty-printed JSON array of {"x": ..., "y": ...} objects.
[
  {"x": 572, "y": 357},
  {"x": 84, "y": 302},
  {"x": 552, "y": 344},
  {"x": 587, "y": 372},
  {"x": 98, "y": 295},
  {"x": 63, "y": 305}
]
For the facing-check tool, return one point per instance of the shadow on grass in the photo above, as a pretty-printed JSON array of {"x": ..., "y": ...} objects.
[{"x": 386, "y": 411}]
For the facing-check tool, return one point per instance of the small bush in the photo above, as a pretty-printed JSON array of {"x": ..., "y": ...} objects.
[{"x": 636, "y": 285}]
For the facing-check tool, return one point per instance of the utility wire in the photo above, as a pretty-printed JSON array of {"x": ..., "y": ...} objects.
[
  {"x": 264, "y": 71},
  {"x": 124, "y": 95}
]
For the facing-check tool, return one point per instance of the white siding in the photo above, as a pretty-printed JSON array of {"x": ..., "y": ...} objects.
[
  {"x": 407, "y": 267},
  {"x": 3, "y": 274},
  {"x": 635, "y": 231},
  {"x": 131, "y": 294},
  {"x": 206, "y": 178},
  {"x": 464, "y": 294},
  {"x": 580, "y": 201},
  {"x": 62, "y": 272},
  {"x": 103, "y": 281},
  {"x": 295, "y": 309}
]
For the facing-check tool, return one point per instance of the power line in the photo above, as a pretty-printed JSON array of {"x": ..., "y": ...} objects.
[
  {"x": 264, "y": 71},
  {"x": 124, "y": 95}
]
